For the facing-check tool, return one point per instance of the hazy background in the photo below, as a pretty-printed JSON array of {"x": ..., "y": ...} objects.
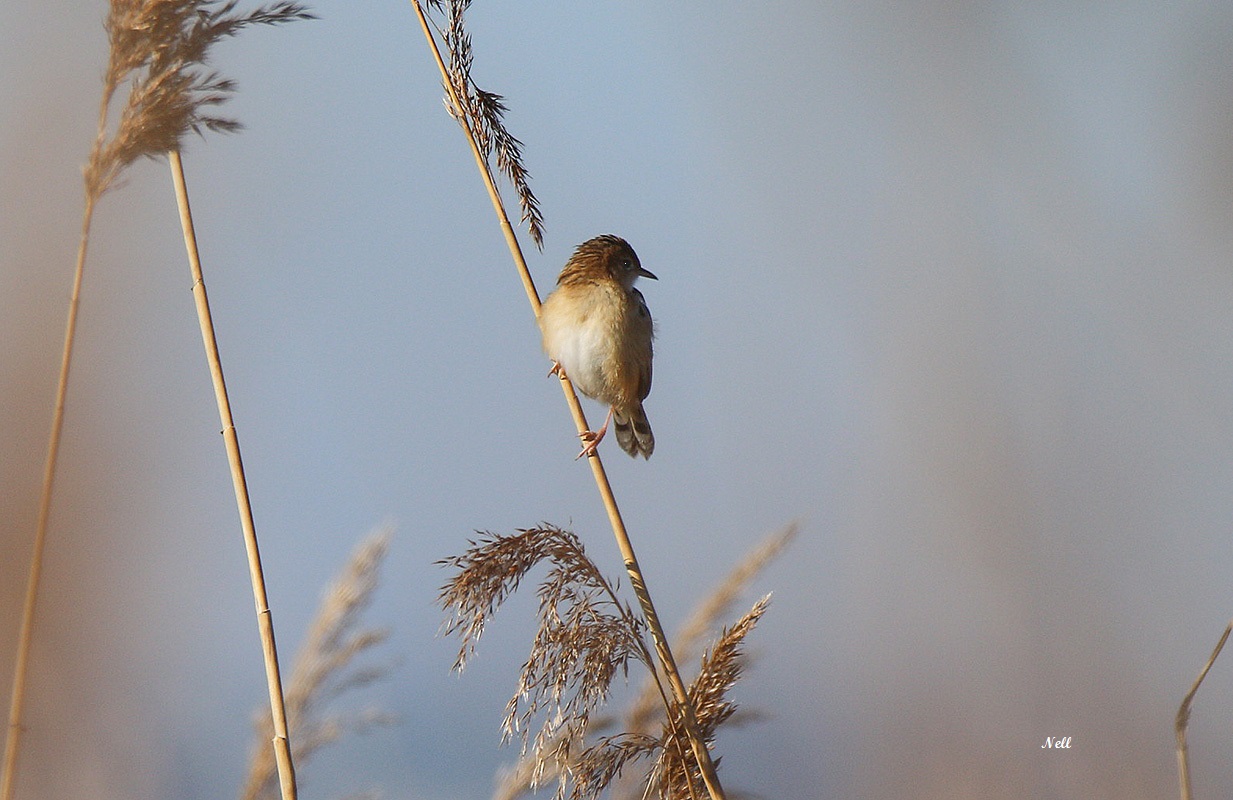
[{"x": 948, "y": 282}]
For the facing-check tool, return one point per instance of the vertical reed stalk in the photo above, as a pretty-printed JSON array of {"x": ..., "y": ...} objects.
[
  {"x": 679, "y": 692},
  {"x": 265, "y": 621},
  {"x": 17, "y": 700}
]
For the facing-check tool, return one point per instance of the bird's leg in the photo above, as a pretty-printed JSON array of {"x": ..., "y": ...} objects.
[
  {"x": 590, "y": 439},
  {"x": 593, "y": 438}
]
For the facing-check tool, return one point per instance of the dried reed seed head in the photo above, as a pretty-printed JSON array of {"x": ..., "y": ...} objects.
[
  {"x": 676, "y": 770},
  {"x": 600, "y": 764},
  {"x": 721, "y": 668},
  {"x": 585, "y": 637},
  {"x": 483, "y": 115},
  {"x": 161, "y": 47},
  {"x": 494, "y": 566},
  {"x": 604, "y": 757},
  {"x": 645, "y": 711}
]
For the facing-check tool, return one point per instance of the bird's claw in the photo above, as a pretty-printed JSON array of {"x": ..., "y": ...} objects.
[{"x": 590, "y": 440}]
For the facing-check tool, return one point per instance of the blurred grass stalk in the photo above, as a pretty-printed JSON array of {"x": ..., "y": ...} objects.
[
  {"x": 12, "y": 741},
  {"x": 159, "y": 49},
  {"x": 660, "y": 639},
  {"x": 100, "y": 173},
  {"x": 265, "y": 621},
  {"x": 1183, "y": 718}
]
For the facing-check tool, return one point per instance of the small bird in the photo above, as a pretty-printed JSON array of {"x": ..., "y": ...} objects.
[{"x": 598, "y": 330}]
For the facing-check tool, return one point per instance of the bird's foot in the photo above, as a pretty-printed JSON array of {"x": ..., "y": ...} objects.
[{"x": 591, "y": 439}]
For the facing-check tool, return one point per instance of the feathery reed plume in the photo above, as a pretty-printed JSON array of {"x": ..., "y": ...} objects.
[
  {"x": 645, "y": 713},
  {"x": 586, "y": 636},
  {"x": 675, "y": 774},
  {"x": 1183, "y": 717},
  {"x": 721, "y": 668},
  {"x": 159, "y": 48},
  {"x": 667, "y": 661},
  {"x": 324, "y": 669},
  {"x": 485, "y": 115}
]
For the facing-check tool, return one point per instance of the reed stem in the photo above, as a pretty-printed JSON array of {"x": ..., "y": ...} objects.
[
  {"x": 660, "y": 639},
  {"x": 1183, "y": 718},
  {"x": 12, "y": 742},
  {"x": 265, "y": 620}
]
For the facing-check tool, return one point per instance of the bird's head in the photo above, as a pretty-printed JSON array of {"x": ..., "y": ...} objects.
[{"x": 609, "y": 256}]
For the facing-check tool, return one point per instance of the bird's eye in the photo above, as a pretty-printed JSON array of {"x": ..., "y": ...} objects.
[{"x": 627, "y": 265}]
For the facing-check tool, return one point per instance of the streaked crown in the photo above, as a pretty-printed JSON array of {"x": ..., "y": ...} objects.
[{"x": 605, "y": 257}]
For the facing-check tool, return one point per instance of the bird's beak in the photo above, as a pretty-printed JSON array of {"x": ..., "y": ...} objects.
[{"x": 646, "y": 273}]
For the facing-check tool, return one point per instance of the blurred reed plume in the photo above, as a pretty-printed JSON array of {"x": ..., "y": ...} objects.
[
  {"x": 587, "y": 635},
  {"x": 483, "y": 114},
  {"x": 325, "y": 668},
  {"x": 159, "y": 48}
]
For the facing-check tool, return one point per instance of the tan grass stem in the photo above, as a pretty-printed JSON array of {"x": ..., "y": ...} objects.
[
  {"x": 679, "y": 692},
  {"x": 12, "y": 741},
  {"x": 94, "y": 187},
  {"x": 1183, "y": 718},
  {"x": 265, "y": 621}
]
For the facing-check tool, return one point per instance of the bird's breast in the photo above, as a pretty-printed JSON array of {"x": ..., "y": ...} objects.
[
  {"x": 583, "y": 332},
  {"x": 582, "y": 347}
]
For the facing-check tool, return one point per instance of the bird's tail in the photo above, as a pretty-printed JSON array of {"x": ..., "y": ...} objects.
[{"x": 633, "y": 432}]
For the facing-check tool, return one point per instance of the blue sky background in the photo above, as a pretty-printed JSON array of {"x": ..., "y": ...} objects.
[{"x": 949, "y": 284}]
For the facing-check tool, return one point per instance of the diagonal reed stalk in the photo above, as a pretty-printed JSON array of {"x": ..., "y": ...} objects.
[
  {"x": 637, "y": 581},
  {"x": 12, "y": 740},
  {"x": 98, "y": 176},
  {"x": 1183, "y": 717},
  {"x": 265, "y": 620}
]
